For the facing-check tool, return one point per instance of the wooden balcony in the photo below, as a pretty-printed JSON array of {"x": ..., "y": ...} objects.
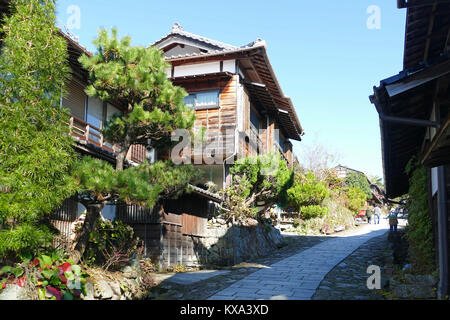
[{"x": 85, "y": 132}]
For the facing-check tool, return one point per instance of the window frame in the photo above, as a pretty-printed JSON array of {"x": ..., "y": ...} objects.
[{"x": 206, "y": 107}]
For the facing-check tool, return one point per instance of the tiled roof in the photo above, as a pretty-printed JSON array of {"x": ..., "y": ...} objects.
[
  {"x": 215, "y": 47},
  {"x": 202, "y": 192}
]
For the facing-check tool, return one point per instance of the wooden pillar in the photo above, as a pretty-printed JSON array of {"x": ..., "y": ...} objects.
[{"x": 443, "y": 234}]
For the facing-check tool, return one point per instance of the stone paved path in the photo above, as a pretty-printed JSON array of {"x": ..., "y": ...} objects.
[
  {"x": 348, "y": 280},
  {"x": 299, "y": 276}
]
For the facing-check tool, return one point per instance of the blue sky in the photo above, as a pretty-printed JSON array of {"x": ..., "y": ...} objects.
[{"x": 325, "y": 57}]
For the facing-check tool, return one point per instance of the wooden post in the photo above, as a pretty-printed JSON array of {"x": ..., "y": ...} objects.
[{"x": 87, "y": 132}]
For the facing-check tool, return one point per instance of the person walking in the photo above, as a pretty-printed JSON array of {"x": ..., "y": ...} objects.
[
  {"x": 377, "y": 215},
  {"x": 393, "y": 220},
  {"x": 369, "y": 215}
]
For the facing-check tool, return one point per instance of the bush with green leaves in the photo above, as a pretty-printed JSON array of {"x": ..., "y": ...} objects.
[
  {"x": 359, "y": 180},
  {"x": 48, "y": 277},
  {"x": 420, "y": 230},
  {"x": 36, "y": 153},
  {"x": 313, "y": 211},
  {"x": 258, "y": 179},
  {"x": 355, "y": 199},
  {"x": 307, "y": 195},
  {"x": 111, "y": 245}
]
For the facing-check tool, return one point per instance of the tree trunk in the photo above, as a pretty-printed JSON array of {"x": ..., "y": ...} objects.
[
  {"x": 120, "y": 160},
  {"x": 90, "y": 223}
]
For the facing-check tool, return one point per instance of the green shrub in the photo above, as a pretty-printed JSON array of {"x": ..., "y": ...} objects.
[
  {"x": 36, "y": 150},
  {"x": 263, "y": 178},
  {"x": 306, "y": 196},
  {"x": 358, "y": 180},
  {"x": 356, "y": 199},
  {"x": 419, "y": 230},
  {"x": 49, "y": 277},
  {"x": 311, "y": 212},
  {"x": 111, "y": 244}
]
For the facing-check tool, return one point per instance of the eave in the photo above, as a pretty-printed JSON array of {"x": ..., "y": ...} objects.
[
  {"x": 438, "y": 153},
  {"x": 427, "y": 31}
]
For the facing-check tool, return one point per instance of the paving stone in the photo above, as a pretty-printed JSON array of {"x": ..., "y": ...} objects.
[{"x": 311, "y": 267}]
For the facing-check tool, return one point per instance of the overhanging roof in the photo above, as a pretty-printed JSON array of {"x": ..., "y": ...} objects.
[
  {"x": 427, "y": 30},
  {"x": 403, "y": 96},
  {"x": 410, "y": 94}
]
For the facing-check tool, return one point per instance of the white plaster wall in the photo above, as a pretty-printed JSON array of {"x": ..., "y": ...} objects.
[
  {"x": 196, "y": 69},
  {"x": 229, "y": 66}
]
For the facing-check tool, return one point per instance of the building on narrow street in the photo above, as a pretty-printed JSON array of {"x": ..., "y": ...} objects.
[
  {"x": 236, "y": 96},
  {"x": 413, "y": 107},
  {"x": 237, "y": 99}
]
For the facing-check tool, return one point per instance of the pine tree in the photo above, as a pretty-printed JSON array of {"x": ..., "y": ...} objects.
[
  {"x": 136, "y": 78},
  {"x": 36, "y": 154},
  {"x": 263, "y": 178}
]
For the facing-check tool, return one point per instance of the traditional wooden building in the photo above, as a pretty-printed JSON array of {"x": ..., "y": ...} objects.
[
  {"x": 414, "y": 116},
  {"x": 236, "y": 96}
]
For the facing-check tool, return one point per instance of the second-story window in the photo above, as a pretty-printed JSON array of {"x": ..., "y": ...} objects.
[
  {"x": 95, "y": 113},
  {"x": 254, "y": 121},
  {"x": 203, "y": 100}
]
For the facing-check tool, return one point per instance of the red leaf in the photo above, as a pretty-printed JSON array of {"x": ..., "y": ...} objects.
[
  {"x": 66, "y": 267},
  {"x": 54, "y": 292},
  {"x": 63, "y": 279},
  {"x": 22, "y": 282},
  {"x": 35, "y": 262}
]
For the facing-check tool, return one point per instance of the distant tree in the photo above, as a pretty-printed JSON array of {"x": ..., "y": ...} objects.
[
  {"x": 136, "y": 78},
  {"x": 376, "y": 180},
  {"x": 358, "y": 180},
  {"x": 316, "y": 158},
  {"x": 36, "y": 154},
  {"x": 355, "y": 198}
]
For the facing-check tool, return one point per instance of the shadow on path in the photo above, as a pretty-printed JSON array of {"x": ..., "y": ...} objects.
[{"x": 292, "y": 272}]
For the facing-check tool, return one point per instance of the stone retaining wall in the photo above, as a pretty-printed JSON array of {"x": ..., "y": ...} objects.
[{"x": 227, "y": 244}]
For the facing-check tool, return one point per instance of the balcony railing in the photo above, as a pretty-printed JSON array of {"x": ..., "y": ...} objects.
[{"x": 84, "y": 131}]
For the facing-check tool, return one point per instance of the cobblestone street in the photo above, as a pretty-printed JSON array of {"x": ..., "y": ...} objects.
[
  {"x": 317, "y": 268},
  {"x": 299, "y": 276}
]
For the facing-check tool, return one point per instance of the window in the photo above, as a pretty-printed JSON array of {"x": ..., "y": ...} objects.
[
  {"x": 202, "y": 100},
  {"x": 254, "y": 120},
  {"x": 110, "y": 111},
  {"x": 95, "y": 113}
]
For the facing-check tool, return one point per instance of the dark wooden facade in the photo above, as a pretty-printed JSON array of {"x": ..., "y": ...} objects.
[
  {"x": 171, "y": 234},
  {"x": 414, "y": 109}
]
